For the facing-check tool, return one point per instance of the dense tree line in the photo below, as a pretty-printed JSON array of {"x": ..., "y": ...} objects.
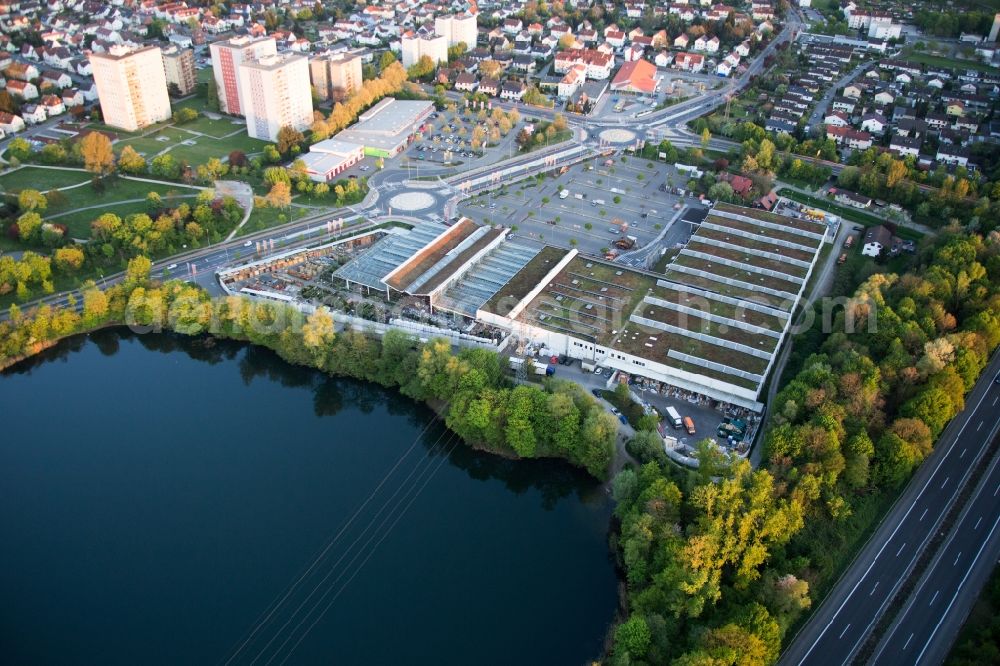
[
  {"x": 471, "y": 386},
  {"x": 391, "y": 80},
  {"x": 718, "y": 571}
]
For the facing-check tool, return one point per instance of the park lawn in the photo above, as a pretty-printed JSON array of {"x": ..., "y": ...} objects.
[
  {"x": 954, "y": 63},
  {"x": 265, "y": 218},
  {"x": 151, "y": 144},
  {"x": 218, "y": 129},
  {"x": 116, "y": 190},
  {"x": 79, "y": 221},
  {"x": 43, "y": 180},
  {"x": 205, "y": 148}
]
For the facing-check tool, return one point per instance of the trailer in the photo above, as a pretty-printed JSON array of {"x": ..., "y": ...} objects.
[{"x": 674, "y": 417}]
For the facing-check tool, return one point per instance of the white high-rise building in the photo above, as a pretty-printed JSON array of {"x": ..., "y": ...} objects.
[
  {"x": 275, "y": 93},
  {"x": 131, "y": 86},
  {"x": 457, "y": 28},
  {"x": 416, "y": 46},
  {"x": 226, "y": 58}
]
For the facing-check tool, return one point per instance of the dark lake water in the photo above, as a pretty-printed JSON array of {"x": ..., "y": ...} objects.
[{"x": 167, "y": 502}]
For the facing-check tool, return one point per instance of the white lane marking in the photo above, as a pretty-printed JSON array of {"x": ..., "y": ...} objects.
[
  {"x": 934, "y": 598},
  {"x": 968, "y": 570},
  {"x": 895, "y": 530},
  {"x": 976, "y": 526},
  {"x": 995, "y": 401},
  {"x": 922, "y": 516},
  {"x": 900, "y": 549},
  {"x": 907, "y": 641},
  {"x": 962, "y": 454},
  {"x": 873, "y": 589},
  {"x": 957, "y": 558},
  {"x": 946, "y": 479},
  {"x": 845, "y": 630},
  {"x": 979, "y": 426}
]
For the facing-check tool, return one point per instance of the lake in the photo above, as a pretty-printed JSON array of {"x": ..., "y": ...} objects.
[{"x": 175, "y": 501}]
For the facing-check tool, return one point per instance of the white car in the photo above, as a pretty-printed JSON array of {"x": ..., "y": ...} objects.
[{"x": 366, "y": 168}]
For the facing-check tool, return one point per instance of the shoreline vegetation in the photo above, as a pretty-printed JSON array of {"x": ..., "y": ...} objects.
[
  {"x": 720, "y": 564},
  {"x": 469, "y": 389}
]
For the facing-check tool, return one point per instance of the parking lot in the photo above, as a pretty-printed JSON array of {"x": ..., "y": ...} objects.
[
  {"x": 601, "y": 199},
  {"x": 448, "y": 139}
]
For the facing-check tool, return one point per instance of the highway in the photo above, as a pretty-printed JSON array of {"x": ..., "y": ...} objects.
[
  {"x": 844, "y": 620},
  {"x": 926, "y": 628}
]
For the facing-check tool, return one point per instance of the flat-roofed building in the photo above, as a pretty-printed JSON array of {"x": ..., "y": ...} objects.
[
  {"x": 329, "y": 158},
  {"x": 131, "y": 86},
  {"x": 178, "y": 66},
  {"x": 336, "y": 75},
  {"x": 386, "y": 128},
  {"x": 417, "y": 45},
  {"x": 275, "y": 93},
  {"x": 458, "y": 29},
  {"x": 226, "y": 58}
]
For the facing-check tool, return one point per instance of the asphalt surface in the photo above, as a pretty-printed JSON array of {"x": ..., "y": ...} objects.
[
  {"x": 843, "y": 621},
  {"x": 926, "y": 628}
]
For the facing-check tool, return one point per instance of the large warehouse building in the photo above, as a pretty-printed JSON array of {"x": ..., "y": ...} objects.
[
  {"x": 711, "y": 324},
  {"x": 386, "y": 128}
]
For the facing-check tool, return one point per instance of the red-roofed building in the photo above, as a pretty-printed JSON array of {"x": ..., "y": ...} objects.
[
  {"x": 689, "y": 62},
  {"x": 638, "y": 76}
]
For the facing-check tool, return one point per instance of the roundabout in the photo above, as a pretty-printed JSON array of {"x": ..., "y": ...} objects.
[{"x": 412, "y": 201}]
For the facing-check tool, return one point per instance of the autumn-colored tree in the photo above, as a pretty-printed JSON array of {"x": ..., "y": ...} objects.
[
  {"x": 98, "y": 156},
  {"x": 280, "y": 195},
  {"x": 29, "y": 200},
  {"x": 69, "y": 259},
  {"x": 288, "y": 138},
  {"x": 131, "y": 162}
]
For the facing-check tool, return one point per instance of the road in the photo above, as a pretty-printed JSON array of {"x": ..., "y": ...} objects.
[
  {"x": 820, "y": 111},
  {"x": 926, "y": 628},
  {"x": 843, "y": 621}
]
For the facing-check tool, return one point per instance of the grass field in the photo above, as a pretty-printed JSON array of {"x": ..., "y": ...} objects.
[
  {"x": 954, "y": 63},
  {"x": 79, "y": 221},
  {"x": 198, "y": 149},
  {"x": 265, "y": 218},
  {"x": 36, "y": 178}
]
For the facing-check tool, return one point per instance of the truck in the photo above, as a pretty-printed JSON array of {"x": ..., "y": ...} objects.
[
  {"x": 674, "y": 417},
  {"x": 543, "y": 369},
  {"x": 564, "y": 194},
  {"x": 587, "y": 366},
  {"x": 689, "y": 425},
  {"x": 597, "y": 202}
]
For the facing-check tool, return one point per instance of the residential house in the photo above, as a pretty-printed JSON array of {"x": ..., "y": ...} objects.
[
  {"x": 953, "y": 154},
  {"x": 513, "y": 90},
  {"x": 52, "y": 104},
  {"x": 849, "y": 137},
  {"x": 638, "y": 76},
  {"x": 22, "y": 89},
  {"x": 876, "y": 239},
  {"x": 465, "y": 82},
  {"x": 853, "y": 199},
  {"x": 905, "y": 146},
  {"x": 33, "y": 114},
  {"x": 10, "y": 123},
  {"x": 489, "y": 86},
  {"x": 874, "y": 122},
  {"x": 689, "y": 62},
  {"x": 837, "y": 119},
  {"x": 572, "y": 81}
]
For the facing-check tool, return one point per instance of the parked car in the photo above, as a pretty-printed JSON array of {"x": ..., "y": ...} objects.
[{"x": 597, "y": 392}]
